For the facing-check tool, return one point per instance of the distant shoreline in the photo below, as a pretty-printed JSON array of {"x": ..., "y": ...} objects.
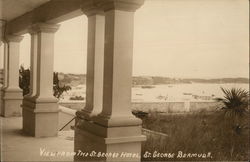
[{"x": 76, "y": 79}]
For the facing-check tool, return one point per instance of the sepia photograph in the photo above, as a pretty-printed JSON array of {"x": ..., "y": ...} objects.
[{"x": 124, "y": 80}]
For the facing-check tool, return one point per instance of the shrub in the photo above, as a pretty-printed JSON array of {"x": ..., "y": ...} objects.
[
  {"x": 58, "y": 88},
  {"x": 77, "y": 98},
  {"x": 24, "y": 83},
  {"x": 139, "y": 114},
  {"x": 235, "y": 105},
  {"x": 200, "y": 132},
  {"x": 224, "y": 133},
  {"x": 235, "y": 116},
  {"x": 24, "y": 80}
]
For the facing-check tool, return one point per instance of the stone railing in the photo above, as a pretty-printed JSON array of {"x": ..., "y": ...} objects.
[{"x": 65, "y": 116}]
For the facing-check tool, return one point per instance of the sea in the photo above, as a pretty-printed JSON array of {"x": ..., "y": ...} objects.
[{"x": 169, "y": 92}]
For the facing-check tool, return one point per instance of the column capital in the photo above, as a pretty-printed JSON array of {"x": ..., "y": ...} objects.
[
  {"x": 90, "y": 7},
  {"x": 43, "y": 27},
  {"x": 124, "y": 5},
  {"x": 14, "y": 38}
]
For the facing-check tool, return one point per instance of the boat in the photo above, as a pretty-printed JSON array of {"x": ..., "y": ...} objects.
[
  {"x": 147, "y": 86},
  {"x": 187, "y": 93}
]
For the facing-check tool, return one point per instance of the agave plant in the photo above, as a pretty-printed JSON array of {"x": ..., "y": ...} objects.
[{"x": 235, "y": 103}]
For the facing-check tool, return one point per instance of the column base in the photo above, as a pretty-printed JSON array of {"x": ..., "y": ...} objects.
[
  {"x": 12, "y": 100},
  {"x": 94, "y": 142},
  {"x": 83, "y": 114},
  {"x": 40, "y": 119}
]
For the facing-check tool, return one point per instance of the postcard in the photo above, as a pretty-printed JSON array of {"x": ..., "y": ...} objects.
[{"x": 124, "y": 80}]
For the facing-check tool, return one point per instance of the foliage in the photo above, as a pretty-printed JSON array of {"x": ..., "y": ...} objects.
[
  {"x": 58, "y": 87},
  {"x": 24, "y": 83},
  {"x": 139, "y": 114},
  {"x": 224, "y": 133},
  {"x": 236, "y": 116},
  {"x": 24, "y": 80},
  {"x": 201, "y": 132},
  {"x": 235, "y": 104},
  {"x": 77, "y": 98}
]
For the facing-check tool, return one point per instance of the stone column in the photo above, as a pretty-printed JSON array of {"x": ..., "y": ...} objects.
[
  {"x": 95, "y": 60},
  {"x": 115, "y": 130},
  {"x": 5, "y": 65},
  {"x": 1, "y": 76},
  {"x": 1, "y": 64},
  {"x": 5, "y": 76},
  {"x": 33, "y": 64},
  {"x": 12, "y": 94},
  {"x": 40, "y": 112}
]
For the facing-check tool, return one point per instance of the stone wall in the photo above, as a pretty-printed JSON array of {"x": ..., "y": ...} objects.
[
  {"x": 66, "y": 118},
  {"x": 208, "y": 106},
  {"x": 168, "y": 107},
  {"x": 160, "y": 137},
  {"x": 176, "y": 107},
  {"x": 75, "y": 105}
]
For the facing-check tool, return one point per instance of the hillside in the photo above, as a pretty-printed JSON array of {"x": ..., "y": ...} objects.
[{"x": 76, "y": 79}]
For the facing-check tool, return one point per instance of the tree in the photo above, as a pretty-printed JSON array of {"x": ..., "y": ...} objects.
[
  {"x": 236, "y": 116},
  {"x": 24, "y": 83},
  {"x": 235, "y": 104}
]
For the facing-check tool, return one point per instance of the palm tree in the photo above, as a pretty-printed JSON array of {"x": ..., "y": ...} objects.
[
  {"x": 236, "y": 113},
  {"x": 235, "y": 103}
]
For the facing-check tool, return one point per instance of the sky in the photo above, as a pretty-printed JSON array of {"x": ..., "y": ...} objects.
[{"x": 172, "y": 38}]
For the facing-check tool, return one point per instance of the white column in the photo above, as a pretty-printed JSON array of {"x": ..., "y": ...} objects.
[
  {"x": 1, "y": 63},
  {"x": 13, "y": 62},
  {"x": 40, "y": 112},
  {"x": 1, "y": 75},
  {"x": 115, "y": 129},
  {"x": 5, "y": 76},
  {"x": 33, "y": 65},
  {"x": 12, "y": 92},
  {"x": 95, "y": 61},
  {"x": 45, "y": 56},
  {"x": 118, "y": 59},
  {"x": 5, "y": 64}
]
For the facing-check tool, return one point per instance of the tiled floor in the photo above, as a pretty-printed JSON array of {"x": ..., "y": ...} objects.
[{"x": 16, "y": 146}]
